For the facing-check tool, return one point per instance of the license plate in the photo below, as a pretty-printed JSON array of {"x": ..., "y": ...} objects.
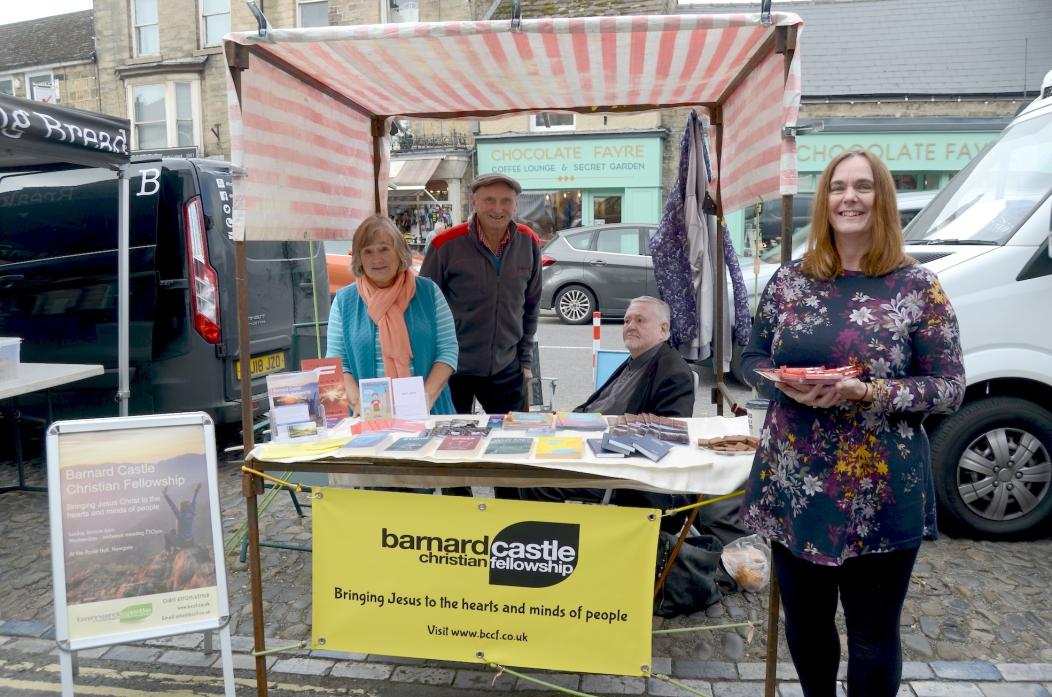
[{"x": 263, "y": 364}]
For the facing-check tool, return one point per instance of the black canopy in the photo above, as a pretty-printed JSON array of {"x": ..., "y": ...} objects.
[{"x": 34, "y": 133}]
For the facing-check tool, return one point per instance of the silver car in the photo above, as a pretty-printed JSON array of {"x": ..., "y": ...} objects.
[{"x": 596, "y": 268}]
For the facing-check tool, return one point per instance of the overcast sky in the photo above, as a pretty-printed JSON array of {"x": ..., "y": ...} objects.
[{"x": 21, "y": 10}]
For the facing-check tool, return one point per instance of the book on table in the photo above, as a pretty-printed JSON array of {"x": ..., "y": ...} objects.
[
  {"x": 527, "y": 421},
  {"x": 559, "y": 447},
  {"x": 651, "y": 447},
  {"x": 584, "y": 421},
  {"x": 596, "y": 446},
  {"x": 419, "y": 445},
  {"x": 509, "y": 447},
  {"x": 459, "y": 447},
  {"x": 364, "y": 444},
  {"x": 620, "y": 444},
  {"x": 334, "y": 401}
]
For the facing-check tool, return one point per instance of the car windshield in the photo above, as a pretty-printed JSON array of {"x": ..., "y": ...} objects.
[{"x": 996, "y": 193}]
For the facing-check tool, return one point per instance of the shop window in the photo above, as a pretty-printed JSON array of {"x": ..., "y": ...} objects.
[
  {"x": 147, "y": 35},
  {"x": 7, "y": 86},
  {"x": 553, "y": 121},
  {"x": 41, "y": 87},
  {"x": 164, "y": 114},
  {"x": 313, "y": 13},
  {"x": 547, "y": 212},
  {"x": 398, "y": 11},
  {"x": 905, "y": 182},
  {"x": 215, "y": 21},
  {"x": 606, "y": 209}
]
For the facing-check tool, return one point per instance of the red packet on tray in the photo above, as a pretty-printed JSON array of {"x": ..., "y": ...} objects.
[{"x": 810, "y": 376}]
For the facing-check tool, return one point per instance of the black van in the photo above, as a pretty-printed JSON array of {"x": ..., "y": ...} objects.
[{"x": 58, "y": 286}]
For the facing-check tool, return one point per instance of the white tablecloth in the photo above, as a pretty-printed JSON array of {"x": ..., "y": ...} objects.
[{"x": 685, "y": 469}]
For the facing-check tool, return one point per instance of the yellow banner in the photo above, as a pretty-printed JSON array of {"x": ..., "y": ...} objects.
[{"x": 540, "y": 585}]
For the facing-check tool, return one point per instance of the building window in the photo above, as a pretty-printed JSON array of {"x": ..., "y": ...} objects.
[
  {"x": 552, "y": 121},
  {"x": 215, "y": 21},
  {"x": 164, "y": 114},
  {"x": 7, "y": 86},
  {"x": 397, "y": 11},
  {"x": 313, "y": 13},
  {"x": 147, "y": 37},
  {"x": 41, "y": 87}
]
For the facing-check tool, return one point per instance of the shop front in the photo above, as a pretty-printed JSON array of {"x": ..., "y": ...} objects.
[
  {"x": 581, "y": 179},
  {"x": 423, "y": 190}
]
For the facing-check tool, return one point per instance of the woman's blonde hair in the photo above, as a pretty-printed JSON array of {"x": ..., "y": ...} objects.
[
  {"x": 886, "y": 252},
  {"x": 372, "y": 229}
]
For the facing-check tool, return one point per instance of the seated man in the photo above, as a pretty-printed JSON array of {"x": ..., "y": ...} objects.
[{"x": 654, "y": 380}]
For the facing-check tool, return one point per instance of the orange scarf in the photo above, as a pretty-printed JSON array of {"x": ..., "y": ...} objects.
[{"x": 386, "y": 308}]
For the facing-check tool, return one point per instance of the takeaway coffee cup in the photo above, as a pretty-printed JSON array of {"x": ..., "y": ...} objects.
[{"x": 757, "y": 409}]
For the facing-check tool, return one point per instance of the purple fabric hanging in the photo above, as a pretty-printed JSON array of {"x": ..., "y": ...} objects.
[{"x": 668, "y": 250}]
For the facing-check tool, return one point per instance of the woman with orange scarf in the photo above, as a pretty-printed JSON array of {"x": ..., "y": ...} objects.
[{"x": 390, "y": 322}]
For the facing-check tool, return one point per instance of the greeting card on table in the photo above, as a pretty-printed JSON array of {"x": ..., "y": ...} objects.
[
  {"x": 409, "y": 398},
  {"x": 509, "y": 447},
  {"x": 375, "y": 395},
  {"x": 459, "y": 447},
  {"x": 334, "y": 401}
]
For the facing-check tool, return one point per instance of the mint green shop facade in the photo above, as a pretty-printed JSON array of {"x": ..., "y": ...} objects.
[
  {"x": 579, "y": 179},
  {"x": 919, "y": 160}
]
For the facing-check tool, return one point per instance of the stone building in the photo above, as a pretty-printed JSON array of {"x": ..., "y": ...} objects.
[{"x": 51, "y": 60}]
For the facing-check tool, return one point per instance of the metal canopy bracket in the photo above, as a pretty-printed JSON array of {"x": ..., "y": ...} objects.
[
  {"x": 765, "y": 12},
  {"x": 261, "y": 20}
]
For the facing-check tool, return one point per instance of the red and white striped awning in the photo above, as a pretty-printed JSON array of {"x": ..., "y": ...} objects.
[{"x": 309, "y": 98}]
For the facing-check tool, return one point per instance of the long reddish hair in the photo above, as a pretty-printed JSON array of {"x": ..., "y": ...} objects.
[{"x": 886, "y": 252}]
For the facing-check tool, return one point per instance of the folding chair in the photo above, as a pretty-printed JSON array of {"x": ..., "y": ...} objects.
[{"x": 536, "y": 398}]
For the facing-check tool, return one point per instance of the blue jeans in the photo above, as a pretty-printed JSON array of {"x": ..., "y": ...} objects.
[{"x": 872, "y": 588}]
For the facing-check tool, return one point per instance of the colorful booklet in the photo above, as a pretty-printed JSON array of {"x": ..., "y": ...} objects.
[
  {"x": 334, "y": 402},
  {"x": 588, "y": 421},
  {"x": 416, "y": 444},
  {"x": 559, "y": 447},
  {"x": 527, "y": 421},
  {"x": 518, "y": 448},
  {"x": 459, "y": 447},
  {"x": 596, "y": 446}
]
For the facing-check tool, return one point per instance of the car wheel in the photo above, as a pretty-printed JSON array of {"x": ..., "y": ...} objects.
[
  {"x": 575, "y": 304},
  {"x": 992, "y": 467}
]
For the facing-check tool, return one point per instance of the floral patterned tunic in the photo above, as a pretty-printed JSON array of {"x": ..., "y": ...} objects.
[{"x": 831, "y": 484}]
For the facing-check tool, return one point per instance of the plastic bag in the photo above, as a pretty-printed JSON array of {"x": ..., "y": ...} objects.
[{"x": 748, "y": 561}]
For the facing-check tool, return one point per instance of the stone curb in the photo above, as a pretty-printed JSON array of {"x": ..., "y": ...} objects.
[{"x": 719, "y": 679}]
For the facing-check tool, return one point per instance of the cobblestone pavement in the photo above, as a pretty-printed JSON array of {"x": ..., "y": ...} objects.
[{"x": 977, "y": 621}]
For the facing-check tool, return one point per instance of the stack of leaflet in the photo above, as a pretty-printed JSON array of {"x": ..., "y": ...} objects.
[
  {"x": 531, "y": 421},
  {"x": 657, "y": 427}
]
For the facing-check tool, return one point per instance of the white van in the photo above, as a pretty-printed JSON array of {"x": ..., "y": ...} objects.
[{"x": 987, "y": 235}]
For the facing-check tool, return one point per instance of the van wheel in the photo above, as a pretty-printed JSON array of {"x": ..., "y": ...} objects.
[
  {"x": 992, "y": 467},
  {"x": 575, "y": 304}
]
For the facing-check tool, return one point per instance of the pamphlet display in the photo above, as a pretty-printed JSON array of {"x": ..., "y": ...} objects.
[
  {"x": 397, "y": 398},
  {"x": 295, "y": 406},
  {"x": 136, "y": 541}
]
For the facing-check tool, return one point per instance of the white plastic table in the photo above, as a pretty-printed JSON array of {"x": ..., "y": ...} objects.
[{"x": 33, "y": 377}]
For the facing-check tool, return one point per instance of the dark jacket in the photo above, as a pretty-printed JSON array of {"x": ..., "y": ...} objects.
[
  {"x": 495, "y": 314},
  {"x": 666, "y": 389}
]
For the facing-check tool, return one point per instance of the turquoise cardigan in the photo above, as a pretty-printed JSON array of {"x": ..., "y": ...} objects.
[{"x": 358, "y": 333}]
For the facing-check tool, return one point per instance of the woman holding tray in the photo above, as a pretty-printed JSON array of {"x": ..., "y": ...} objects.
[
  {"x": 841, "y": 483},
  {"x": 390, "y": 322}
]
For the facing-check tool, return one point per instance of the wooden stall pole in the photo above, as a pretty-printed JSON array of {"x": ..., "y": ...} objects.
[
  {"x": 237, "y": 61},
  {"x": 719, "y": 390},
  {"x": 378, "y": 146}
]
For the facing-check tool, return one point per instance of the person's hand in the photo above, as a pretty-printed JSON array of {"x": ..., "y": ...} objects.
[
  {"x": 527, "y": 373},
  {"x": 852, "y": 389},
  {"x": 815, "y": 396}
]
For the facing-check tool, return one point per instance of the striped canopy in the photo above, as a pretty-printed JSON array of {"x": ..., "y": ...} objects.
[{"x": 306, "y": 110}]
